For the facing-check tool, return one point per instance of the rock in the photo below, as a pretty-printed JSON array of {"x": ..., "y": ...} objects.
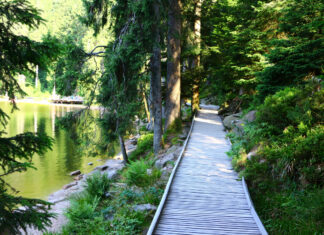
[
  {"x": 144, "y": 207},
  {"x": 120, "y": 185},
  {"x": 149, "y": 171},
  {"x": 90, "y": 163},
  {"x": 238, "y": 127},
  {"x": 182, "y": 136},
  {"x": 111, "y": 164},
  {"x": 108, "y": 195},
  {"x": 250, "y": 116},
  {"x": 69, "y": 185},
  {"x": 228, "y": 121},
  {"x": 162, "y": 161},
  {"x": 77, "y": 172},
  {"x": 133, "y": 141},
  {"x": 112, "y": 174},
  {"x": 79, "y": 177},
  {"x": 172, "y": 149}
]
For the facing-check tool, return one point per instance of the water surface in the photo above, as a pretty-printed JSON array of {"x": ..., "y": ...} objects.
[{"x": 53, "y": 167}]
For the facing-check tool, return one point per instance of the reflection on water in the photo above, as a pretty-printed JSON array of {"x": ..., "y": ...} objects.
[{"x": 53, "y": 167}]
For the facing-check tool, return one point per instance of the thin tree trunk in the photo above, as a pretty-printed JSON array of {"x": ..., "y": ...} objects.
[
  {"x": 196, "y": 60},
  {"x": 146, "y": 107},
  {"x": 36, "y": 78},
  {"x": 123, "y": 149},
  {"x": 173, "y": 65},
  {"x": 156, "y": 81}
]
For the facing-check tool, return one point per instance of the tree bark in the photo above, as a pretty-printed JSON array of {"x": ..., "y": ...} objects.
[
  {"x": 123, "y": 149},
  {"x": 148, "y": 116},
  {"x": 36, "y": 78},
  {"x": 196, "y": 59},
  {"x": 172, "y": 109},
  {"x": 156, "y": 81}
]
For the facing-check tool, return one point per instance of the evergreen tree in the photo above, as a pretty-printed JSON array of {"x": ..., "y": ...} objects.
[
  {"x": 172, "y": 103},
  {"x": 16, "y": 54},
  {"x": 298, "y": 55}
]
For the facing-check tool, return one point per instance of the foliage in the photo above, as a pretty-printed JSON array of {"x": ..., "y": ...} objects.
[
  {"x": 290, "y": 211},
  {"x": 289, "y": 134},
  {"x": 299, "y": 54},
  {"x": 98, "y": 185},
  {"x": 138, "y": 175},
  {"x": 144, "y": 145},
  {"x": 18, "y": 53},
  {"x": 153, "y": 195},
  {"x": 83, "y": 217}
]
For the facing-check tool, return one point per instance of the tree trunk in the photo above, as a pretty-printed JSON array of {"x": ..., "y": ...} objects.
[
  {"x": 123, "y": 149},
  {"x": 172, "y": 109},
  {"x": 196, "y": 60},
  {"x": 156, "y": 81},
  {"x": 36, "y": 78},
  {"x": 148, "y": 116}
]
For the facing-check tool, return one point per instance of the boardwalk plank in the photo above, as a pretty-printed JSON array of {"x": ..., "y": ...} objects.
[{"x": 206, "y": 196}]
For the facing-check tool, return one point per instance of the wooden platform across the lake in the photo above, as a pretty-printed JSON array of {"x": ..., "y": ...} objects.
[
  {"x": 67, "y": 101},
  {"x": 205, "y": 195}
]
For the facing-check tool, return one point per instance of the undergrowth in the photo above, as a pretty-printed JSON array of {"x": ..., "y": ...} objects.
[{"x": 286, "y": 173}]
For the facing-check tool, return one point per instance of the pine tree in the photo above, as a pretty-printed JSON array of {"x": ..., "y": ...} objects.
[
  {"x": 173, "y": 96},
  {"x": 16, "y": 54}
]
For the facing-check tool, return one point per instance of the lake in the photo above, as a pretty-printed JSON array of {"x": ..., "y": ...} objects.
[{"x": 53, "y": 167}]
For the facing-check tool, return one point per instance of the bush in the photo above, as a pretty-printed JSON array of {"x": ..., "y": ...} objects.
[
  {"x": 128, "y": 221},
  {"x": 136, "y": 174},
  {"x": 153, "y": 195},
  {"x": 97, "y": 185},
  {"x": 83, "y": 217},
  {"x": 144, "y": 145},
  {"x": 286, "y": 175}
]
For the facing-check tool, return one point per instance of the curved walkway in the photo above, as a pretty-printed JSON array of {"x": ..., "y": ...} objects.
[{"x": 205, "y": 196}]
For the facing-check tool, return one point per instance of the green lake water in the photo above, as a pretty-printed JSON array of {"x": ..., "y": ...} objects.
[{"x": 53, "y": 167}]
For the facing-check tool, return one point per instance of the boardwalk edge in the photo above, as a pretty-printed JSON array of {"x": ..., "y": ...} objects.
[
  {"x": 167, "y": 188},
  {"x": 253, "y": 212}
]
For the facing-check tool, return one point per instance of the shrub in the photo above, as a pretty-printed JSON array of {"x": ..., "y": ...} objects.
[
  {"x": 128, "y": 221},
  {"x": 153, "y": 195},
  {"x": 83, "y": 217},
  {"x": 287, "y": 175},
  {"x": 136, "y": 174},
  {"x": 97, "y": 185},
  {"x": 144, "y": 145}
]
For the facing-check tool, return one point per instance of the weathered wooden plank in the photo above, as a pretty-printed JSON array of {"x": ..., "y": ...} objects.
[{"x": 205, "y": 196}]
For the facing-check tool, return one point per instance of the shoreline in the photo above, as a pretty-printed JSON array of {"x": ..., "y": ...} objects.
[
  {"x": 47, "y": 102},
  {"x": 60, "y": 198}
]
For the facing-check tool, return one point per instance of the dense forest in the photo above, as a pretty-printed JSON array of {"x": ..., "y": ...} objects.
[{"x": 156, "y": 61}]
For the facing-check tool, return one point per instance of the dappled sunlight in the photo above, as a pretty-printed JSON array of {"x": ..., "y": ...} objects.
[{"x": 214, "y": 122}]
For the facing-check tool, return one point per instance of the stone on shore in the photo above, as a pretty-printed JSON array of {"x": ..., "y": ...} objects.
[
  {"x": 77, "y": 172},
  {"x": 69, "y": 185}
]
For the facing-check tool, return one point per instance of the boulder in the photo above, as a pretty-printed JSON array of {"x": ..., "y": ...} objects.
[
  {"x": 90, "y": 163},
  {"x": 250, "y": 116},
  {"x": 144, "y": 207},
  {"x": 111, "y": 164},
  {"x": 112, "y": 174},
  {"x": 228, "y": 121},
  {"x": 79, "y": 177},
  {"x": 164, "y": 159},
  {"x": 77, "y": 172},
  {"x": 70, "y": 185},
  {"x": 238, "y": 127}
]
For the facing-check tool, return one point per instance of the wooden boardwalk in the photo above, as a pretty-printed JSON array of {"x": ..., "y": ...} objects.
[{"x": 205, "y": 195}]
